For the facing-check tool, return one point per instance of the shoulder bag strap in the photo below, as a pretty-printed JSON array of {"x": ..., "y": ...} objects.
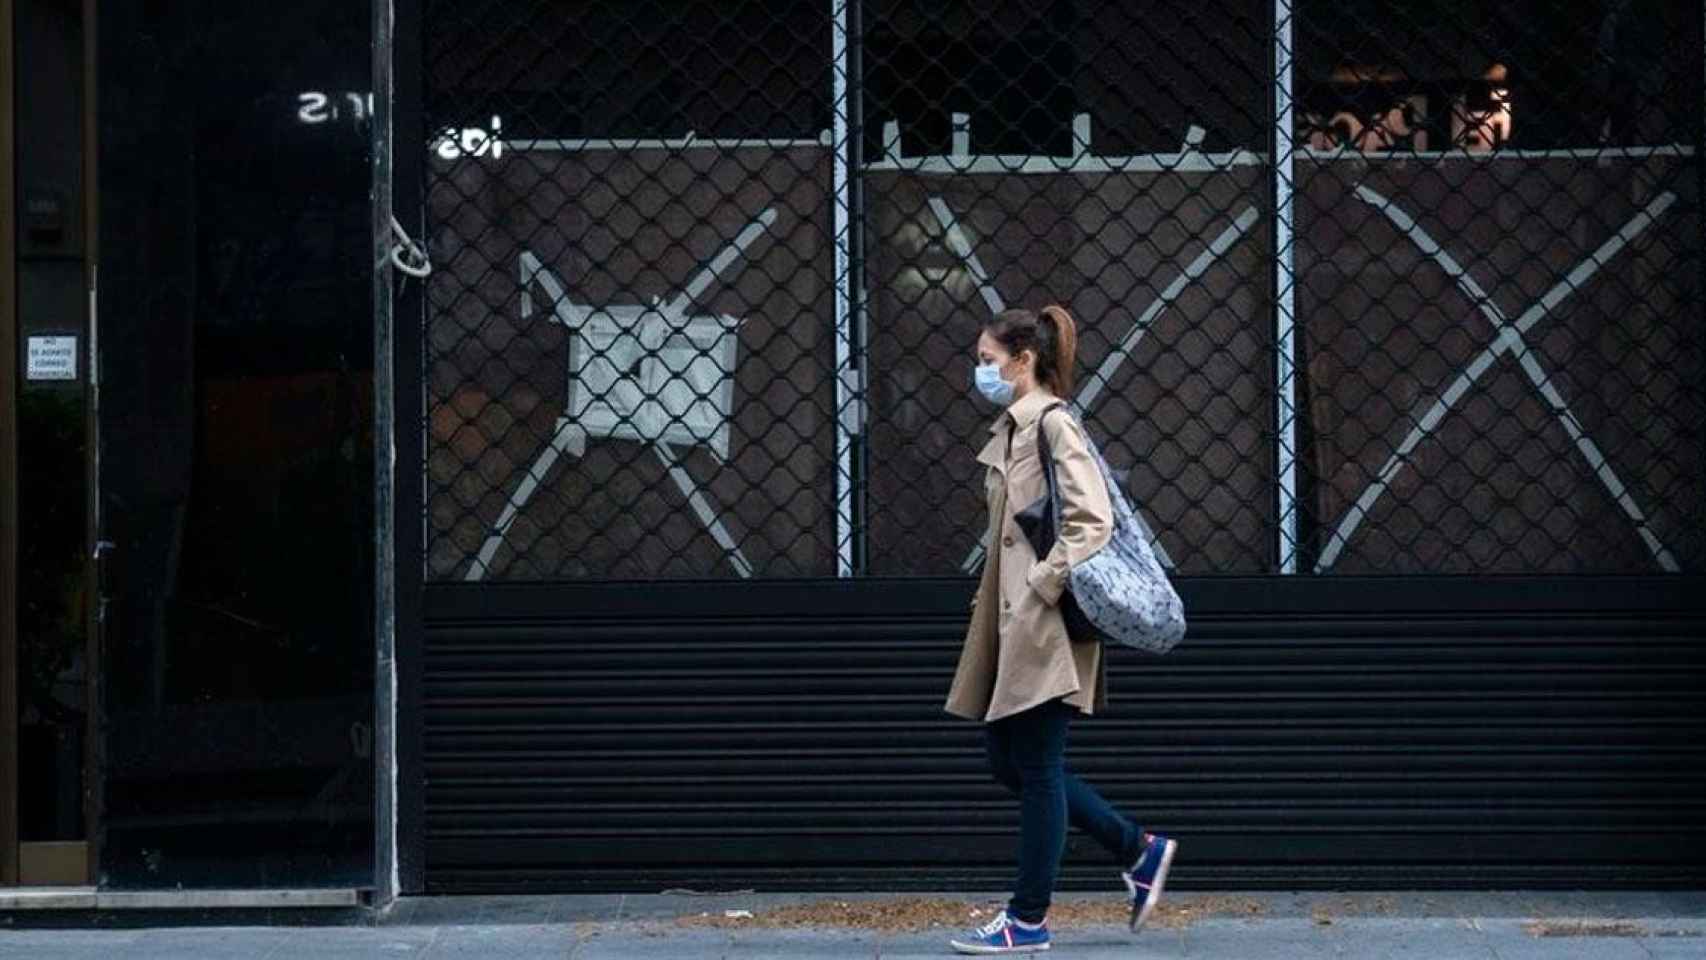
[{"x": 1046, "y": 457}]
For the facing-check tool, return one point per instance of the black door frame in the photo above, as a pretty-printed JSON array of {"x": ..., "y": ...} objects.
[
  {"x": 94, "y": 748},
  {"x": 8, "y": 467},
  {"x": 407, "y": 198}
]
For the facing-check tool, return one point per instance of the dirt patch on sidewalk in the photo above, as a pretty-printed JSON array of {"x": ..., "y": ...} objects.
[
  {"x": 1324, "y": 913},
  {"x": 913, "y": 914},
  {"x": 1584, "y": 928}
]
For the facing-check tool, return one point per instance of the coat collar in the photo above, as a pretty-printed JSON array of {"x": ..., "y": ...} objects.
[
  {"x": 1021, "y": 413},
  {"x": 1024, "y": 411}
]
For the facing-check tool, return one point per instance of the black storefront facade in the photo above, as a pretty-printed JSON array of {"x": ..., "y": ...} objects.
[{"x": 607, "y": 521}]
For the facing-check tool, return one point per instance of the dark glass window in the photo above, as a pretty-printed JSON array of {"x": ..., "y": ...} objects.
[{"x": 236, "y": 360}]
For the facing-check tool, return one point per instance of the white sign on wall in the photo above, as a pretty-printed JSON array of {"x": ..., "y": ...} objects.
[{"x": 52, "y": 358}]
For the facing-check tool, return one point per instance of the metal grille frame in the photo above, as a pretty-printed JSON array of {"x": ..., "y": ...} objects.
[{"x": 1348, "y": 687}]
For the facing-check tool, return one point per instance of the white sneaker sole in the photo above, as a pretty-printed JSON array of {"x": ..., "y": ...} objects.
[
  {"x": 1154, "y": 895},
  {"x": 980, "y": 950}
]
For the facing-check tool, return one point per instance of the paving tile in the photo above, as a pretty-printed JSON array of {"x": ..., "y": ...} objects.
[
  {"x": 1288, "y": 939},
  {"x": 1569, "y": 948},
  {"x": 504, "y": 942},
  {"x": 66, "y": 944}
]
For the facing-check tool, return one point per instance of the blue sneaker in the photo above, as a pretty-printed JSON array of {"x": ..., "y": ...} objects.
[
  {"x": 1003, "y": 935},
  {"x": 1147, "y": 876}
]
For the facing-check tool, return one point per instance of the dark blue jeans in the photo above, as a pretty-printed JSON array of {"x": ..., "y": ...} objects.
[{"x": 1027, "y": 752}]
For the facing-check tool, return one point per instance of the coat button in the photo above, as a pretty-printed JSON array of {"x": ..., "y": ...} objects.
[
  {"x": 1006, "y": 604},
  {"x": 1007, "y": 541}
]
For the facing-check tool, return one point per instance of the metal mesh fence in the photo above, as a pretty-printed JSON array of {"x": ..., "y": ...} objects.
[{"x": 1362, "y": 287}]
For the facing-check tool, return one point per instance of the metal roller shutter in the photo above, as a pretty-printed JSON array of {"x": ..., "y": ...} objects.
[{"x": 1381, "y": 733}]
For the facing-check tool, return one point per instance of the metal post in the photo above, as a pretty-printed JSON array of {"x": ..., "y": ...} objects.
[
  {"x": 847, "y": 394},
  {"x": 1285, "y": 291},
  {"x": 385, "y": 875}
]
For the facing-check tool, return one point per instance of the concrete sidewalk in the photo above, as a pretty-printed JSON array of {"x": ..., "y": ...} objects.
[{"x": 1269, "y": 926}]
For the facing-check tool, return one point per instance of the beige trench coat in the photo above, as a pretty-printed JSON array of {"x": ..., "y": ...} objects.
[{"x": 1016, "y": 653}]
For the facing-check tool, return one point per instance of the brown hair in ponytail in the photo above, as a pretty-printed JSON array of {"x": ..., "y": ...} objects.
[
  {"x": 1049, "y": 334},
  {"x": 1065, "y": 351}
]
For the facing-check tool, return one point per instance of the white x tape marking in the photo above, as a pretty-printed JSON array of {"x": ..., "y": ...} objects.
[{"x": 1509, "y": 339}]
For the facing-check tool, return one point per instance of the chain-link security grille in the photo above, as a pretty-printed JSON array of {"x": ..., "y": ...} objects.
[
  {"x": 632, "y": 358},
  {"x": 1362, "y": 287},
  {"x": 1498, "y": 286}
]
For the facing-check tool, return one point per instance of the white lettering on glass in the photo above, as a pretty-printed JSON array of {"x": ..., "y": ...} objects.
[
  {"x": 453, "y": 143},
  {"x": 318, "y": 106},
  {"x": 311, "y": 107}
]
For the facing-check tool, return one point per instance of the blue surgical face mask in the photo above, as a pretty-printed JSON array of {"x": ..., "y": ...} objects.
[{"x": 987, "y": 379}]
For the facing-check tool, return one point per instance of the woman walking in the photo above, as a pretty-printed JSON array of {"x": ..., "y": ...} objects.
[{"x": 1019, "y": 672}]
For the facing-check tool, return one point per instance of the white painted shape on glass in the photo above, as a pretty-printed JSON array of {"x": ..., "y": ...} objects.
[
  {"x": 962, "y": 248},
  {"x": 648, "y": 373},
  {"x": 1509, "y": 338}
]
